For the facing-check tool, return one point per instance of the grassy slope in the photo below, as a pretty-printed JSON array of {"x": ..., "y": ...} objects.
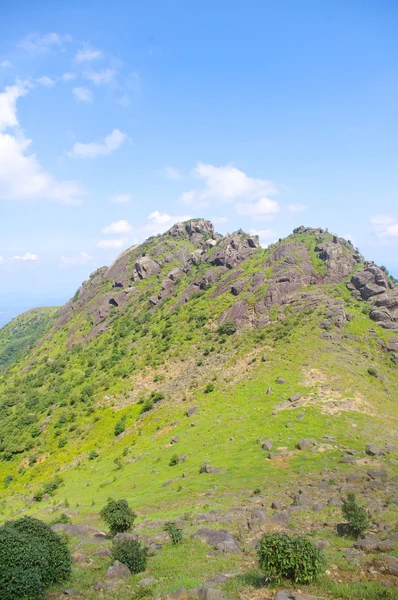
[
  {"x": 80, "y": 395},
  {"x": 19, "y": 336}
]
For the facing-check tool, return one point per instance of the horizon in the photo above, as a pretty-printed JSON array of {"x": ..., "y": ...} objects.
[{"x": 116, "y": 123}]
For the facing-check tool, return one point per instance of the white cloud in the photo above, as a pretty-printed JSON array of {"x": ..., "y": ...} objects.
[
  {"x": 88, "y": 54},
  {"x": 5, "y": 64},
  {"x": 263, "y": 206},
  {"x": 81, "y": 259},
  {"x": 68, "y": 77},
  {"x": 225, "y": 184},
  {"x": 34, "y": 43},
  {"x": 82, "y": 94},
  {"x": 216, "y": 220},
  {"x": 385, "y": 226},
  {"x": 104, "y": 77},
  {"x": 21, "y": 175},
  {"x": 46, "y": 81},
  {"x": 111, "y": 142},
  {"x": 121, "y": 226},
  {"x": 159, "y": 222},
  {"x": 266, "y": 236},
  {"x": 297, "y": 208},
  {"x": 2, "y": 260},
  {"x": 120, "y": 198},
  {"x": 170, "y": 173},
  {"x": 27, "y": 256},
  {"x": 117, "y": 243}
]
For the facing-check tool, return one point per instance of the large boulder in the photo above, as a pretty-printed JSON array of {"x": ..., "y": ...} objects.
[
  {"x": 234, "y": 249},
  {"x": 223, "y": 541},
  {"x": 145, "y": 266}
]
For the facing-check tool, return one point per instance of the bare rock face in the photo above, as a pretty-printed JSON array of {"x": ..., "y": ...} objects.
[
  {"x": 146, "y": 266},
  {"x": 234, "y": 249},
  {"x": 370, "y": 282},
  {"x": 197, "y": 230},
  {"x": 339, "y": 262},
  {"x": 372, "y": 285}
]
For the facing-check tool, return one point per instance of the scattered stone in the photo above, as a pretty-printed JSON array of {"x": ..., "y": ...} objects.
[
  {"x": 374, "y": 450},
  {"x": 276, "y": 505},
  {"x": 118, "y": 571},
  {"x": 223, "y": 541},
  {"x": 295, "y": 397},
  {"x": 174, "y": 439},
  {"x": 267, "y": 445},
  {"x": 300, "y": 416},
  {"x": 191, "y": 410},
  {"x": 305, "y": 443},
  {"x": 377, "y": 474},
  {"x": 281, "y": 380},
  {"x": 147, "y": 581}
]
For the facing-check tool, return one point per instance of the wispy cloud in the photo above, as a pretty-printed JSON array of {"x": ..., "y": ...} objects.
[
  {"x": 70, "y": 261},
  {"x": 103, "y": 77},
  {"x": 114, "y": 243},
  {"x": 121, "y": 226},
  {"x": 263, "y": 207},
  {"x": 5, "y": 64},
  {"x": 68, "y": 77},
  {"x": 110, "y": 143},
  {"x": 266, "y": 236},
  {"x": 297, "y": 208},
  {"x": 88, "y": 54},
  {"x": 385, "y": 226},
  {"x": 159, "y": 222},
  {"x": 170, "y": 173},
  {"x": 226, "y": 184},
  {"x": 120, "y": 198},
  {"x": 82, "y": 94},
  {"x": 34, "y": 43},
  {"x": 46, "y": 81},
  {"x": 27, "y": 256}
]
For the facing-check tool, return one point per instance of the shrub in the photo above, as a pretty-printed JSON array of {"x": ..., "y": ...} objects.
[
  {"x": 120, "y": 426},
  {"x": 8, "y": 479},
  {"x": 130, "y": 553},
  {"x": 174, "y": 460},
  {"x": 118, "y": 516},
  {"x": 32, "y": 557},
  {"x": 355, "y": 514},
  {"x": 293, "y": 557},
  {"x": 209, "y": 388},
  {"x": 174, "y": 532},
  {"x": 373, "y": 372},
  {"x": 227, "y": 328},
  {"x": 62, "y": 518},
  {"x": 92, "y": 455}
]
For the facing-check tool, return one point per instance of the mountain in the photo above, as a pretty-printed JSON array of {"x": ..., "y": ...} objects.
[{"x": 167, "y": 376}]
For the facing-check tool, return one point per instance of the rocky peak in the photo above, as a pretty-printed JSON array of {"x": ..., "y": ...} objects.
[
  {"x": 197, "y": 230},
  {"x": 233, "y": 249}
]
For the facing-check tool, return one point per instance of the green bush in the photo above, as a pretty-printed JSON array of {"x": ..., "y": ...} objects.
[
  {"x": 174, "y": 460},
  {"x": 118, "y": 516},
  {"x": 227, "y": 328},
  {"x": 120, "y": 426},
  {"x": 130, "y": 553},
  {"x": 293, "y": 557},
  {"x": 355, "y": 514},
  {"x": 209, "y": 388},
  {"x": 174, "y": 532},
  {"x": 92, "y": 455},
  {"x": 32, "y": 557}
]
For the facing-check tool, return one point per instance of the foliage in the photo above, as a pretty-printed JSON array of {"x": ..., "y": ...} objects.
[
  {"x": 118, "y": 516},
  {"x": 32, "y": 557},
  {"x": 60, "y": 519},
  {"x": 292, "y": 557},
  {"x": 130, "y": 552},
  {"x": 92, "y": 455},
  {"x": 150, "y": 402},
  {"x": 174, "y": 532},
  {"x": 120, "y": 426},
  {"x": 174, "y": 460},
  {"x": 355, "y": 514},
  {"x": 227, "y": 328},
  {"x": 209, "y": 388},
  {"x": 48, "y": 488}
]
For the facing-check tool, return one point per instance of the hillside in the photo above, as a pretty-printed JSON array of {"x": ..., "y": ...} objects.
[
  {"x": 161, "y": 379},
  {"x": 20, "y": 335}
]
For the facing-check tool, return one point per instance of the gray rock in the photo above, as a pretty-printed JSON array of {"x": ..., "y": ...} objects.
[
  {"x": 147, "y": 581},
  {"x": 281, "y": 380},
  {"x": 295, "y": 397},
  {"x": 267, "y": 445},
  {"x": 223, "y": 541},
  {"x": 305, "y": 443},
  {"x": 191, "y": 410},
  {"x": 377, "y": 474},
  {"x": 118, "y": 571}
]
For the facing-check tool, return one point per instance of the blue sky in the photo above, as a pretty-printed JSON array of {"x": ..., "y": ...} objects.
[{"x": 119, "y": 118}]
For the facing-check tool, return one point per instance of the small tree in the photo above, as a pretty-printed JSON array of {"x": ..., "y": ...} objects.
[
  {"x": 174, "y": 532},
  {"x": 130, "y": 553},
  {"x": 118, "y": 516},
  {"x": 120, "y": 426},
  {"x": 355, "y": 514},
  {"x": 293, "y": 557}
]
